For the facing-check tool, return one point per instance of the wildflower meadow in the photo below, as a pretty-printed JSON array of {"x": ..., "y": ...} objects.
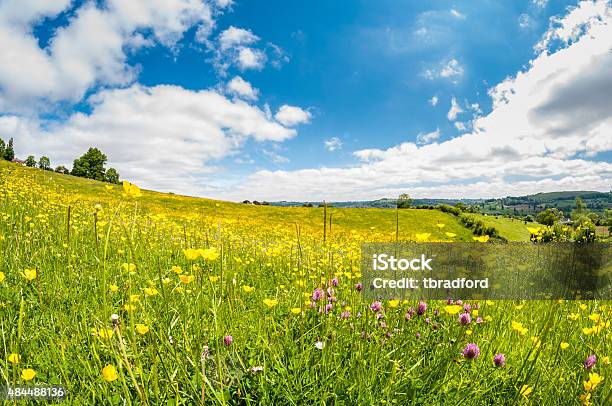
[{"x": 126, "y": 296}]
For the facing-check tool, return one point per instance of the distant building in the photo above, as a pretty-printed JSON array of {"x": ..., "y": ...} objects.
[{"x": 19, "y": 161}]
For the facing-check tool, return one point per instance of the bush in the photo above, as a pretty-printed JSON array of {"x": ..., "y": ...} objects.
[{"x": 62, "y": 169}]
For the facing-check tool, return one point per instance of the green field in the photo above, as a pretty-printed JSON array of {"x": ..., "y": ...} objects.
[
  {"x": 509, "y": 228},
  {"x": 163, "y": 299}
]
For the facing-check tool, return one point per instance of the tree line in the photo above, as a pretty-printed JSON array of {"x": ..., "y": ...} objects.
[{"x": 90, "y": 165}]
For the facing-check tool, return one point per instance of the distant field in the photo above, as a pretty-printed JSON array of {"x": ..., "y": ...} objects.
[{"x": 511, "y": 229}]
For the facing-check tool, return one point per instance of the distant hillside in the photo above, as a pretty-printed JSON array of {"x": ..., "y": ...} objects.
[
  {"x": 565, "y": 201},
  {"x": 511, "y": 205},
  {"x": 380, "y": 203}
]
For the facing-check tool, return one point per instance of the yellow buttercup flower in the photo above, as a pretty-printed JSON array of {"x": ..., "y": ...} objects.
[
  {"x": 594, "y": 380},
  {"x": 270, "y": 302},
  {"x": 482, "y": 238},
  {"x": 296, "y": 310},
  {"x": 440, "y": 225},
  {"x": 150, "y": 291},
  {"x": 114, "y": 288},
  {"x": 177, "y": 269},
  {"x": 526, "y": 390},
  {"x": 186, "y": 279},
  {"x": 29, "y": 274},
  {"x": 191, "y": 254},
  {"x": 247, "y": 288},
  {"x": 2, "y": 277},
  {"x": 209, "y": 254},
  {"x": 128, "y": 267},
  {"x": 142, "y": 328},
  {"x": 28, "y": 374},
  {"x": 14, "y": 358},
  {"x": 516, "y": 326},
  {"x": 450, "y": 235},
  {"x": 564, "y": 346},
  {"x": 109, "y": 373},
  {"x": 394, "y": 303},
  {"x": 452, "y": 309},
  {"x": 105, "y": 333},
  {"x": 213, "y": 279}
]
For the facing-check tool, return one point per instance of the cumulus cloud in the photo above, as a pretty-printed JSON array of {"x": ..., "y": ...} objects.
[
  {"x": 88, "y": 51},
  {"x": 332, "y": 144},
  {"x": 548, "y": 125},
  {"x": 426, "y": 138},
  {"x": 454, "y": 110},
  {"x": 292, "y": 115},
  {"x": 234, "y": 37},
  {"x": 241, "y": 48},
  {"x": 242, "y": 88},
  {"x": 433, "y": 101},
  {"x": 249, "y": 58},
  {"x": 163, "y": 137},
  {"x": 451, "y": 69}
]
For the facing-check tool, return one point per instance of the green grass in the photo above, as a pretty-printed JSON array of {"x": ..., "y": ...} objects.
[
  {"x": 509, "y": 228},
  {"x": 54, "y": 321}
]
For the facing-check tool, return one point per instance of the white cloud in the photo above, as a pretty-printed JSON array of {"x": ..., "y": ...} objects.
[
  {"x": 242, "y": 88},
  {"x": 88, "y": 51},
  {"x": 332, "y": 144},
  {"x": 163, "y": 137},
  {"x": 525, "y": 21},
  {"x": 454, "y": 110},
  {"x": 238, "y": 47},
  {"x": 274, "y": 157},
  {"x": 544, "y": 124},
  {"x": 539, "y": 3},
  {"x": 460, "y": 126},
  {"x": 456, "y": 14},
  {"x": 451, "y": 69},
  {"x": 427, "y": 138},
  {"x": 249, "y": 58},
  {"x": 571, "y": 26},
  {"x": 433, "y": 101},
  {"x": 291, "y": 115},
  {"x": 233, "y": 37}
]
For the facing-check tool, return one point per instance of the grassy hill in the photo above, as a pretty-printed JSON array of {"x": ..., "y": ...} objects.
[
  {"x": 509, "y": 228},
  {"x": 375, "y": 224}
]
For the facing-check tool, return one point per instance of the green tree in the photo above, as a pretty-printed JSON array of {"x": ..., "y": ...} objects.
[
  {"x": 404, "y": 201},
  {"x": 44, "y": 163},
  {"x": 112, "y": 176},
  {"x": 608, "y": 220},
  {"x": 30, "y": 161},
  {"x": 547, "y": 217},
  {"x": 580, "y": 212},
  {"x": 2, "y": 148},
  {"x": 9, "y": 152},
  {"x": 62, "y": 169},
  {"x": 90, "y": 165}
]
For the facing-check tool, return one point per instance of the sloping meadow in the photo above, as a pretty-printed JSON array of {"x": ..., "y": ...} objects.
[{"x": 149, "y": 298}]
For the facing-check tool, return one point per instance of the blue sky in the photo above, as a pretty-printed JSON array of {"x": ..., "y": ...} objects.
[{"x": 369, "y": 88}]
